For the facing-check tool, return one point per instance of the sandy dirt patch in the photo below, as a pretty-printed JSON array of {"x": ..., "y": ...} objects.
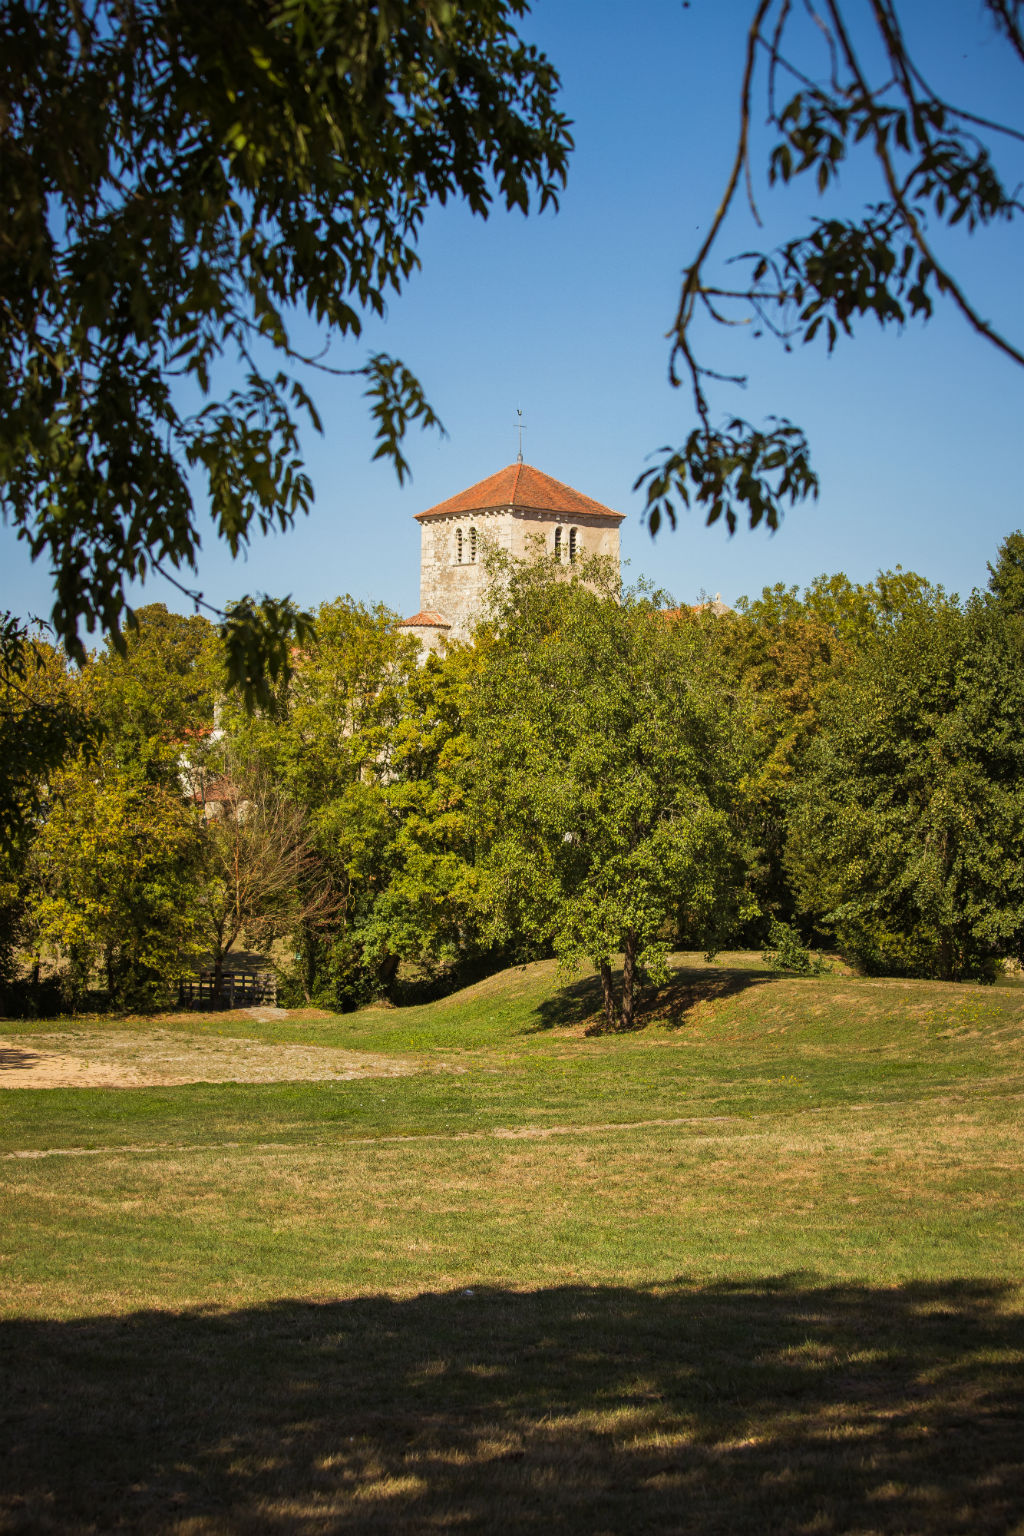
[{"x": 129, "y": 1059}]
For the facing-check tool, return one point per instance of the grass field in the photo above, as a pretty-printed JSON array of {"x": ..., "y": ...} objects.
[{"x": 756, "y": 1266}]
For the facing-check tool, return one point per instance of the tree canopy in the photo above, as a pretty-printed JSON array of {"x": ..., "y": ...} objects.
[
  {"x": 41, "y": 721},
  {"x": 179, "y": 183},
  {"x": 603, "y": 778},
  {"x": 836, "y": 81},
  {"x": 906, "y": 836},
  {"x": 594, "y": 776}
]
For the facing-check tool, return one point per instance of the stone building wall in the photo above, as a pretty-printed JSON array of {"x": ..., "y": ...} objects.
[{"x": 455, "y": 587}]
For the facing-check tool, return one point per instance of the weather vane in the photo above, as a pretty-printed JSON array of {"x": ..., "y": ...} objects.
[{"x": 520, "y": 428}]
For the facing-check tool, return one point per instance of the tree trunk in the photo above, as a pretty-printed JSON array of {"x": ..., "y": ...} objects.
[
  {"x": 309, "y": 951},
  {"x": 609, "y": 994},
  {"x": 628, "y": 977},
  {"x": 223, "y": 941},
  {"x": 948, "y": 968},
  {"x": 78, "y": 975}
]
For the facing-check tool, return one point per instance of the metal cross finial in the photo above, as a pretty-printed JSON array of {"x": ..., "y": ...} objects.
[{"x": 520, "y": 428}]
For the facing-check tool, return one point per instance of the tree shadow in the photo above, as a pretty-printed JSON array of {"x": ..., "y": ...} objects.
[
  {"x": 575, "y": 1003},
  {"x": 580, "y": 1002},
  {"x": 673, "y": 1004},
  {"x": 777, "y": 1406},
  {"x": 12, "y": 1059}
]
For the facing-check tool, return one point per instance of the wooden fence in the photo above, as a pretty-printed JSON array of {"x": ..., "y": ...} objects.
[{"x": 238, "y": 989}]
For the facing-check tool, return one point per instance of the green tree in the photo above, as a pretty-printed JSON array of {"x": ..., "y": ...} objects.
[
  {"x": 330, "y": 744},
  {"x": 907, "y": 832},
  {"x": 934, "y": 166},
  {"x": 113, "y": 883},
  {"x": 431, "y": 913},
  {"x": 179, "y": 182},
  {"x": 1006, "y": 577},
  {"x": 150, "y": 706},
  {"x": 44, "y": 719},
  {"x": 603, "y": 785},
  {"x": 156, "y": 696},
  {"x": 778, "y": 655}
]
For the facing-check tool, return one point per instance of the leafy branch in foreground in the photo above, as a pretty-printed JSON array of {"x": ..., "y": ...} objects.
[
  {"x": 181, "y": 183},
  {"x": 717, "y": 470},
  {"x": 259, "y": 640},
  {"x": 936, "y": 170}
]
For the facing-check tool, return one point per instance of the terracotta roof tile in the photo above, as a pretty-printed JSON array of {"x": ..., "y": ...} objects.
[
  {"x": 520, "y": 485},
  {"x": 717, "y": 607},
  {"x": 427, "y": 616}
]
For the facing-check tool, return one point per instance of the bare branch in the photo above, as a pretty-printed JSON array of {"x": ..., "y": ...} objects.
[
  {"x": 1006, "y": 13},
  {"x": 944, "y": 278},
  {"x": 774, "y": 56},
  {"x": 691, "y": 279}
]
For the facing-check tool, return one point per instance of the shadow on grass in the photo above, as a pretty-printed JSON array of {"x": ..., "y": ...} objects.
[
  {"x": 776, "y": 1406},
  {"x": 581, "y": 1001},
  {"x": 14, "y": 1060}
]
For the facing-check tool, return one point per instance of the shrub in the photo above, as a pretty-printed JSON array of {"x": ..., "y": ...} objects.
[{"x": 785, "y": 953}]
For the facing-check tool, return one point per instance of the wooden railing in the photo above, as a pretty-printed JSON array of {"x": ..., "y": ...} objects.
[{"x": 238, "y": 989}]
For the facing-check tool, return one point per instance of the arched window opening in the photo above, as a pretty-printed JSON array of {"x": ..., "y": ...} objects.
[
  {"x": 472, "y": 545},
  {"x": 572, "y": 545},
  {"x": 458, "y": 546},
  {"x": 558, "y": 543}
]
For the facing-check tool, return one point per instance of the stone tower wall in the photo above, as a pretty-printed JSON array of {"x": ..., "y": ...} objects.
[{"x": 456, "y": 589}]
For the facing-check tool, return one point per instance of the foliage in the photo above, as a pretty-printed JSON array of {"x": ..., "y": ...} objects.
[
  {"x": 935, "y": 168},
  {"x": 1006, "y": 577},
  {"x": 907, "y": 835},
  {"x": 596, "y": 773},
  {"x": 113, "y": 883},
  {"x": 157, "y": 693},
  {"x": 431, "y": 913},
  {"x": 601, "y": 794},
  {"x": 777, "y": 654},
  {"x": 786, "y": 954},
  {"x": 43, "y": 718},
  {"x": 331, "y": 744},
  {"x": 180, "y": 183}
]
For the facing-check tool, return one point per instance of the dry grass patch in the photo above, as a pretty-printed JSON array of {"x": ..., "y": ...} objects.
[{"x": 150, "y": 1057}]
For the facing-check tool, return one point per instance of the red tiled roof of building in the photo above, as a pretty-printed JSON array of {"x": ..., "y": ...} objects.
[
  {"x": 717, "y": 607},
  {"x": 427, "y": 616},
  {"x": 520, "y": 485}
]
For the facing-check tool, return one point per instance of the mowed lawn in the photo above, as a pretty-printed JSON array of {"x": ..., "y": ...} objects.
[{"x": 756, "y": 1266}]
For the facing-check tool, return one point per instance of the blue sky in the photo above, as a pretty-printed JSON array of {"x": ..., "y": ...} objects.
[{"x": 917, "y": 437}]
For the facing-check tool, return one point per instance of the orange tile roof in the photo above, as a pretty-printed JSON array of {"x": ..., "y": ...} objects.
[
  {"x": 520, "y": 485},
  {"x": 716, "y": 606},
  {"x": 427, "y": 616}
]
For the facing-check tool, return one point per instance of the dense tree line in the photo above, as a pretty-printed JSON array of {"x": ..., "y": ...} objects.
[{"x": 597, "y": 776}]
